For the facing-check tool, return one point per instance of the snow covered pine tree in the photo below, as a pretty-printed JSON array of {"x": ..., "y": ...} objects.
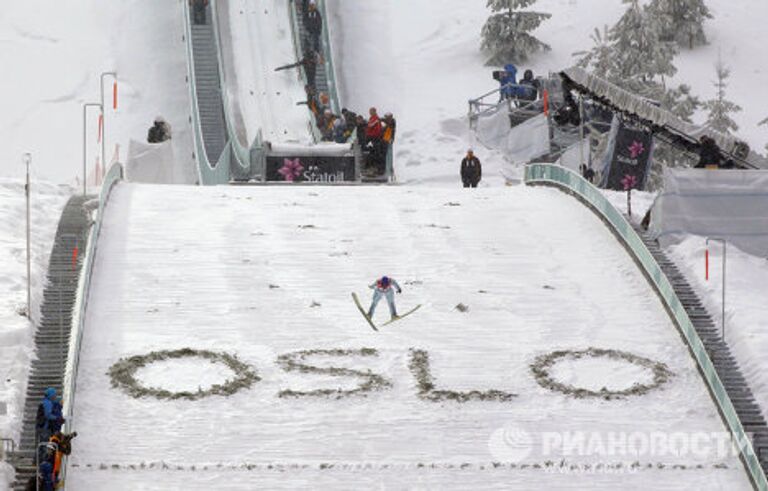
[
  {"x": 506, "y": 33},
  {"x": 681, "y": 21},
  {"x": 764, "y": 123},
  {"x": 720, "y": 109}
]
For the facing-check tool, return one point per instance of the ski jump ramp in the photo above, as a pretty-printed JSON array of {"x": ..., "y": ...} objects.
[{"x": 265, "y": 274}]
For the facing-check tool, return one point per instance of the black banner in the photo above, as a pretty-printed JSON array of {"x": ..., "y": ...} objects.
[
  {"x": 631, "y": 158},
  {"x": 322, "y": 169}
]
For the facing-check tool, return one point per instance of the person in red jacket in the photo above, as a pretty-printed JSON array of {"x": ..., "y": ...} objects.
[
  {"x": 376, "y": 147},
  {"x": 375, "y": 130}
]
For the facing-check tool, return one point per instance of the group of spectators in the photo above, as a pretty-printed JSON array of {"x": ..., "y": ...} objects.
[
  {"x": 52, "y": 443},
  {"x": 373, "y": 134},
  {"x": 527, "y": 89}
]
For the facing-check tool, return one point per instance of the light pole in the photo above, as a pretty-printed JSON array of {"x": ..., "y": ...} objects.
[
  {"x": 103, "y": 113},
  {"x": 27, "y": 160},
  {"x": 714, "y": 239},
  {"x": 85, "y": 141}
]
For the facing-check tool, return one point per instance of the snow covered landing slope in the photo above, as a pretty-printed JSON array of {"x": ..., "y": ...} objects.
[{"x": 266, "y": 271}]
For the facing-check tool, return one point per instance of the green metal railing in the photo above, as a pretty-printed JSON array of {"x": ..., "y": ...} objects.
[
  {"x": 208, "y": 174},
  {"x": 240, "y": 163},
  {"x": 113, "y": 176},
  {"x": 560, "y": 177}
]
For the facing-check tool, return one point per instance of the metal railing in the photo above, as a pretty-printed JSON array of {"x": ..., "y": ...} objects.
[
  {"x": 525, "y": 108},
  {"x": 7, "y": 449},
  {"x": 113, "y": 176},
  {"x": 208, "y": 174},
  {"x": 240, "y": 162},
  {"x": 552, "y": 175}
]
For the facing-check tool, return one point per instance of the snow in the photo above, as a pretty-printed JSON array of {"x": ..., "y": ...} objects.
[
  {"x": 596, "y": 374},
  {"x": 185, "y": 375},
  {"x": 59, "y": 49},
  {"x": 642, "y": 201},
  {"x": 16, "y": 333},
  {"x": 746, "y": 314},
  {"x": 252, "y": 283},
  {"x": 424, "y": 64},
  {"x": 257, "y": 39}
]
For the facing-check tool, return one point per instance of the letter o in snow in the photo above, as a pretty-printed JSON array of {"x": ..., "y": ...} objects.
[
  {"x": 123, "y": 375},
  {"x": 622, "y": 366}
]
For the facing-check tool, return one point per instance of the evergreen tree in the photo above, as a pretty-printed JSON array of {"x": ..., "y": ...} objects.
[
  {"x": 764, "y": 123},
  {"x": 720, "y": 108},
  {"x": 640, "y": 54},
  {"x": 506, "y": 33},
  {"x": 599, "y": 60},
  {"x": 681, "y": 21}
]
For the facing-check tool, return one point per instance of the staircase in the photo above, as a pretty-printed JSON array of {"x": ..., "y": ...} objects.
[
  {"x": 321, "y": 76},
  {"x": 208, "y": 87},
  {"x": 52, "y": 337},
  {"x": 727, "y": 367}
]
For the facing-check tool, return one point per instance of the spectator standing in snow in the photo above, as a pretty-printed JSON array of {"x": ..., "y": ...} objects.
[
  {"x": 314, "y": 24},
  {"x": 471, "y": 171},
  {"x": 199, "y": 8},
  {"x": 159, "y": 132}
]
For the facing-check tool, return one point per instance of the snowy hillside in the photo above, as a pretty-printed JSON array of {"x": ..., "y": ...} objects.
[
  {"x": 54, "y": 53},
  {"x": 15, "y": 331},
  {"x": 423, "y": 63},
  {"x": 274, "y": 277}
]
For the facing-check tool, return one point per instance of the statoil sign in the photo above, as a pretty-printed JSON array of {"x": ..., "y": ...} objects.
[{"x": 324, "y": 169}]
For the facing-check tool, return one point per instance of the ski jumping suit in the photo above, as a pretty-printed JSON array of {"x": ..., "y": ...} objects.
[{"x": 388, "y": 291}]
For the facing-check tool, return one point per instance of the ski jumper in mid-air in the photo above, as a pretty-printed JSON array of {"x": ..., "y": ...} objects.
[{"x": 384, "y": 287}]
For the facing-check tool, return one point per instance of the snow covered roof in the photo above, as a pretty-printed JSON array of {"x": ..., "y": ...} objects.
[{"x": 660, "y": 120}]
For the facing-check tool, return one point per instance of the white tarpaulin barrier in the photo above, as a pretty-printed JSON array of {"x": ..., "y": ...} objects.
[
  {"x": 151, "y": 163},
  {"x": 728, "y": 204},
  {"x": 523, "y": 143},
  {"x": 573, "y": 155}
]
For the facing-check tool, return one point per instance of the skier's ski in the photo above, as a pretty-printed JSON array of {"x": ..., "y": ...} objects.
[
  {"x": 401, "y": 316},
  {"x": 362, "y": 311}
]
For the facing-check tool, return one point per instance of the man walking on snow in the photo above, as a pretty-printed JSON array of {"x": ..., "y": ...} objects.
[
  {"x": 384, "y": 286},
  {"x": 471, "y": 171}
]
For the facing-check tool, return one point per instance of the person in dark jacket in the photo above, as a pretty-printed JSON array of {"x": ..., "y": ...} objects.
[
  {"x": 361, "y": 126},
  {"x": 45, "y": 477},
  {"x": 309, "y": 63},
  {"x": 350, "y": 122},
  {"x": 390, "y": 128},
  {"x": 159, "y": 132},
  {"x": 314, "y": 24},
  {"x": 710, "y": 155},
  {"x": 529, "y": 87},
  {"x": 199, "y": 8},
  {"x": 471, "y": 170}
]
